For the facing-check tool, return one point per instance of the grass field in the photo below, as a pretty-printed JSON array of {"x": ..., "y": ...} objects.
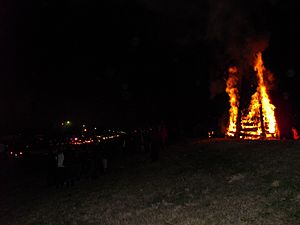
[{"x": 196, "y": 182}]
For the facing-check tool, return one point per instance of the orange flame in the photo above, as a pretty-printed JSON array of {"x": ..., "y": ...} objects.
[
  {"x": 259, "y": 120},
  {"x": 232, "y": 91}
]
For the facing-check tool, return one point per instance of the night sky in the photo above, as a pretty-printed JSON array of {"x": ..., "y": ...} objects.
[{"x": 121, "y": 63}]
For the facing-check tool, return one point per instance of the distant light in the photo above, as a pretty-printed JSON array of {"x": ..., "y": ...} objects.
[
  {"x": 95, "y": 128},
  {"x": 68, "y": 122},
  {"x": 76, "y": 139},
  {"x": 83, "y": 125},
  {"x": 11, "y": 153},
  {"x": 21, "y": 153},
  {"x": 62, "y": 124},
  {"x": 85, "y": 130}
]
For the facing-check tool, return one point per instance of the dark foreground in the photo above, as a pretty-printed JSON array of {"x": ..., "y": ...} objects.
[{"x": 209, "y": 182}]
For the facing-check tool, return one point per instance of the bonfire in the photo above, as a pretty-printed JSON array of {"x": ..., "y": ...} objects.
[{"x": 258, "y": 121}]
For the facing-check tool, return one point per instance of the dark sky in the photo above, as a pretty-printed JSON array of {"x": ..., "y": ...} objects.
[{"x": 114, "y": 63}]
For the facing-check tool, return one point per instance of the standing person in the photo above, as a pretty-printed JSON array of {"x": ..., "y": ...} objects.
[
  {"x": 131, "y": 144},
  {"x": 60, "y": 170},
  {"x": 284, "y": 115},
  {"x": 51, "y": 166},
  {"x": 124, "y": 145},
  {"x": 95, "y": 161},
  {"x": 69, "y": 166},
  {"x": 147, "y": 139},
  {"x": 105, "y": 155},
  {"x": 141, "y": 140},
  {"x": 2, "y": 148},
  {"x": 155, "y": 144},
  {"x": 163, "y": 134}
]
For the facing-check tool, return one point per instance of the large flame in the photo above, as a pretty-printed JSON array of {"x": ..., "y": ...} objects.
[
  {"x": 232, "y": 91},
  {"x": 259, "y": 120}
]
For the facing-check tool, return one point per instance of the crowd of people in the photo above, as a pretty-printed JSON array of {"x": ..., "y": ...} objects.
[{"x": 69, "y": 163}]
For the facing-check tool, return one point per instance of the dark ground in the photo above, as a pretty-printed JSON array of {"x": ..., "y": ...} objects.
[{"x": 196, "y": 182}]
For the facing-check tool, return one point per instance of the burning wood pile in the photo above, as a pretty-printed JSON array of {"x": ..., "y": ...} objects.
[{"x": 258, "y": 120}]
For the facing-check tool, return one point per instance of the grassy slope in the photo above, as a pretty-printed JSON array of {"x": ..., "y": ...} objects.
[{"x": 209, "y": 182}]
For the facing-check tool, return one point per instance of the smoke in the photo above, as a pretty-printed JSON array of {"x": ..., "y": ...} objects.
[
  {"x": 234, "y": 30},
  {"x": 225, "y": 20},
  {"x": 241, "y": 27},
  {"x": 233, "y": 27}
]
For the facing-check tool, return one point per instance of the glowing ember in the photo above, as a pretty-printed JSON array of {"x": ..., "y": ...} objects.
[{"x": 258, "y": 121}]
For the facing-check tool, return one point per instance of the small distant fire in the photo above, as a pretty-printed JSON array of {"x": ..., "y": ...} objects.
[
  {"x": 295, "y": 134},
  {"x": 258, "y": 121}
]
